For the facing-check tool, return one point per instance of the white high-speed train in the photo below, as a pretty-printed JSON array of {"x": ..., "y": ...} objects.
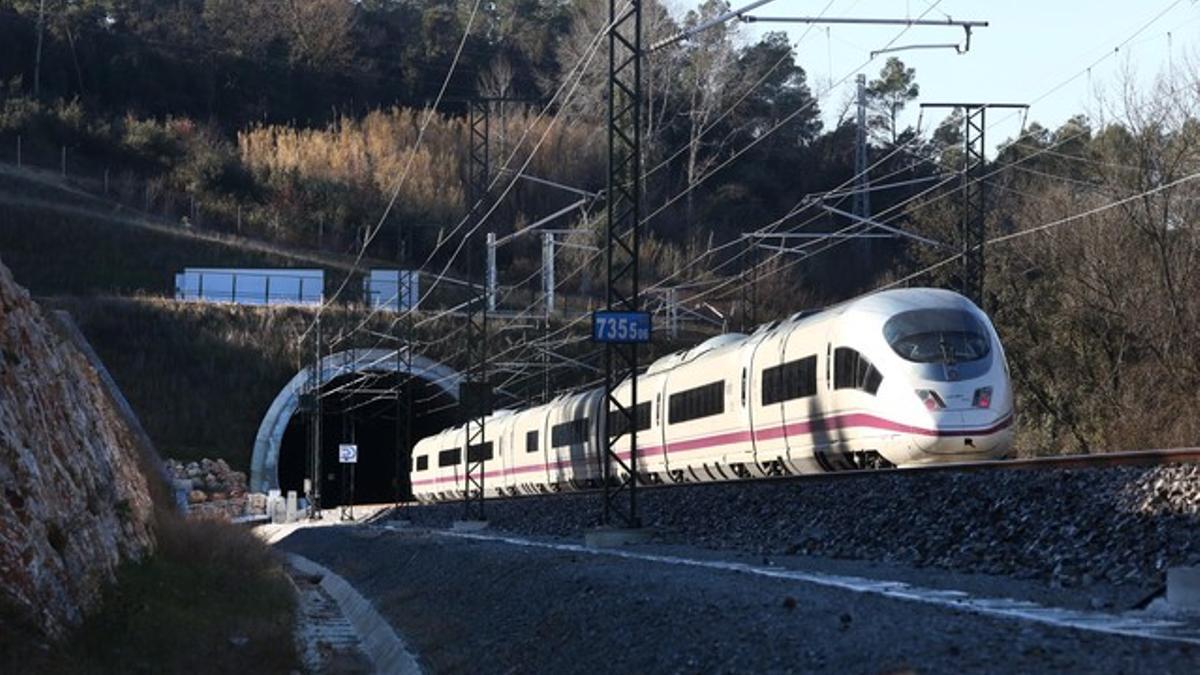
[{"x": 898, "y": 378}]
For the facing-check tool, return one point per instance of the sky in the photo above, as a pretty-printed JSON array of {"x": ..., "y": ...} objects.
[{"x": 1026, "y": 52}]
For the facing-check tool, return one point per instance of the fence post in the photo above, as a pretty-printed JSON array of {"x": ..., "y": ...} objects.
[
  {"x": 239, "y": 223},
  {"x": 19, "y": 151},
  {"x": 267, "y": 292},
  {"x": 106, "y": 181},
  {"x": 146, "y": 208},
  {"x": 64, "y": 161}
]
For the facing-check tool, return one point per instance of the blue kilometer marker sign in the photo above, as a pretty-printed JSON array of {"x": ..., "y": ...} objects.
[{"x": 623, "y": 327}]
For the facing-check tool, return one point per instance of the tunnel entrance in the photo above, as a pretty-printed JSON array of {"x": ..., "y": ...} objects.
[
  {"x": 359, "y": 401},
  {"x": 361, "y": 408}
]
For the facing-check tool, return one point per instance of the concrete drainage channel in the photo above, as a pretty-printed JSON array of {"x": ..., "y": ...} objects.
[{"x": 339, "y": 630}]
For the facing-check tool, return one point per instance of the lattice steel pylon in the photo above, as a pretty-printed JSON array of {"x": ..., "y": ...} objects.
[
  {"x": 404, "y": 393},
  {"x": 972, "y": 228},
  {"x": 973, "y": 224},
  {"x": 405, "y": 335},
  {"x": 475, "y": 395},
  {"x": 311, "y": 401},
  {"x": 624, "y": 193}
]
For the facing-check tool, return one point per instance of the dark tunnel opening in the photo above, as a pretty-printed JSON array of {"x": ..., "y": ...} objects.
[{"x": 363, "y": 409}]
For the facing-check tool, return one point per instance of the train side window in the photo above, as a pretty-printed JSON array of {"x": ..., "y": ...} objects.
[
  {"x": 692, "y": 404},
  {"x": 791, "y": 380},
  {"x": 422, "y": 462},
  {"x": 618, "y": 425},
  {"x": 852, "y": 370},
  {"x": 480, "y": 452},
  {"x": 450, "y": 457},
  {"x": 531, "y": 441},
  {"x": 569, "y": 433}
]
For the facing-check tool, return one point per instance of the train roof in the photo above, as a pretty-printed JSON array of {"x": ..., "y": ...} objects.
[
  {"x": 902, "y": 299},
  {"x": 883, "y": 302}
]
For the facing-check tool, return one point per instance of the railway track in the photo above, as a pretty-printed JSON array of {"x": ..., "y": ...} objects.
[
  {"x": 1120, "y": 525},
  {"x": 1155, "y": 457}
]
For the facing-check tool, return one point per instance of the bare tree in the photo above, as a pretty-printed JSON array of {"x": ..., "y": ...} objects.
[
  {"x": 320, "y": 31},
  {"x": 707, "y": 76},
  {"x": 497, "y": 82}
]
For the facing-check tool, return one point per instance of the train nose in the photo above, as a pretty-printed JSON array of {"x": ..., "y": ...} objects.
[{"x": 971, "y": 432}]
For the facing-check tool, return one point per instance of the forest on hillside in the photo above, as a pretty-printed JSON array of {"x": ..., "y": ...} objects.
[
  {"x": 246, "y": 106},
  {"x": 296, "y": 119}
]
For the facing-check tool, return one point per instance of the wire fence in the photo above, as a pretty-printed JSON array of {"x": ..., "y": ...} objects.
[{"x": 149, "y": 195}]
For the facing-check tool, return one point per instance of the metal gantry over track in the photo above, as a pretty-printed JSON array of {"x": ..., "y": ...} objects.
[{"x": 621, "y": 259}]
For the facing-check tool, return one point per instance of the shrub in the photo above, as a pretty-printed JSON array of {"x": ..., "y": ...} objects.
[
  {"x": 20, "y": 114},
  {"x": 152, "y": 142}
]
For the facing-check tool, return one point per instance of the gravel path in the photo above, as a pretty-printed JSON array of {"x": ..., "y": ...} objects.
[
  {"x": 1112, "y": 526},
  {"x": 473, "y": 606}
]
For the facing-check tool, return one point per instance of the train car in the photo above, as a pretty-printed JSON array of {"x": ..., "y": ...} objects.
[{"x": 898, "y": 378}]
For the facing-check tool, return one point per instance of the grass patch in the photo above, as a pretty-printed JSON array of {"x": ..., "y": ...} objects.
[
  {"x": 212, "y": 599},
  {"x": 53, "y": 253}
]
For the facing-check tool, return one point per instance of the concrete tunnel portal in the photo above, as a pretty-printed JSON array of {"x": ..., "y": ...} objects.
[{"x": 357, "y": 403}]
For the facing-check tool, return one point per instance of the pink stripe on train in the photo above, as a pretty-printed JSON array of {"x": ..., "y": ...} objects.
[{"x": 819, "y": 425}]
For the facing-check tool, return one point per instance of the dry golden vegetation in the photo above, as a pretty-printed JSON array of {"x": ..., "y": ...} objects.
[{"x": 379, "y": 154}]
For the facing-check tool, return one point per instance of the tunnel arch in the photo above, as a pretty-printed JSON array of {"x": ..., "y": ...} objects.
[{"x": 264, "y": 463}]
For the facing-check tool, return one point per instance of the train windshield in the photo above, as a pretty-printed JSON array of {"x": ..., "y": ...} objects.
[{"x": 946, "y": 336}]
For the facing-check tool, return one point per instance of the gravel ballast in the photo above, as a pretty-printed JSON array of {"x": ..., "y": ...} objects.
[
  {"x": 1121, "y": 525},
  {"x": 472, "y": 606}
]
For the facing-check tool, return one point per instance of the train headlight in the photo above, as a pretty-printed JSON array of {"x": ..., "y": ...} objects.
[
  {"x": 931, "y": 399},
  {"x": 983, "y": 397}
]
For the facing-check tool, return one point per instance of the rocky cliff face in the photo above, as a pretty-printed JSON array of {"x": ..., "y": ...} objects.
[{"x": 74, "y": 503}]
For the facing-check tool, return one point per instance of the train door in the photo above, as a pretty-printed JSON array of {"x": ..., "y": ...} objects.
[
  {"x": 656, "y": 436},
  {"x": 661, "y": 401},
  {"x": 747, "y": 381},
  {"x": 559, "y": 431},
  {"x": 798, "y": 385},
  {"x": 770, "y": 442},
  {"x": 572, "y": 432},
  {"x": 528, "y": 443},
  {"x": 586, "y": 470},
  {"x": 652, "y": 457},
  {"x": 545, "y": 452},
  {"x": 851, "y": 384},
  {"x": 496, "y": 468}
]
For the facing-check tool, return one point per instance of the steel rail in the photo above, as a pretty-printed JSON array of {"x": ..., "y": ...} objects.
[{"x": 1153, "y": 457}]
